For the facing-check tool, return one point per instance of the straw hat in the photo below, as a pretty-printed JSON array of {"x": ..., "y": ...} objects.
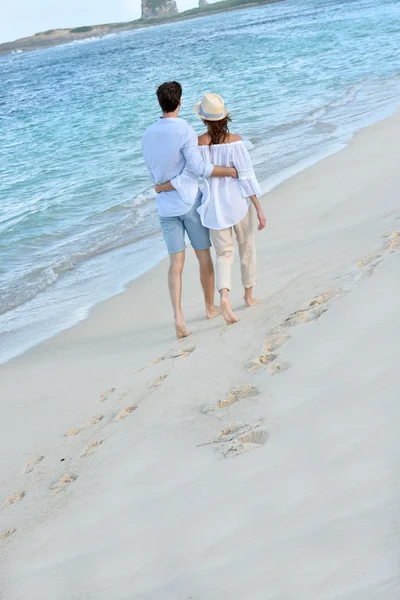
[{"x": 211, "y": 108}]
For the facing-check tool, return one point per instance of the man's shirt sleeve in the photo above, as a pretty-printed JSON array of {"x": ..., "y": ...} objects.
[
  {"x": 193, "y": 159},
  {"x": 145, "y": 159}
]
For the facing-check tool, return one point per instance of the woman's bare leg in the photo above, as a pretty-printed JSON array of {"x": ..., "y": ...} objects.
[
  {"x": 248, "y": 297},
  {"x": 223, "y": 244},
  {"x": 226, "y": 308}
]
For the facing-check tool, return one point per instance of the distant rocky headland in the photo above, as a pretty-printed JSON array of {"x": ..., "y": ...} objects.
[{"x": 154, "y": 12}]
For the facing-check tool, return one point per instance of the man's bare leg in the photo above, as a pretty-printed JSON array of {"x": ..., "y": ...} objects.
[
  {"x": 175, "y": 291},
  {"x": 227, "y": 311},
  {"x": 207, "y": 281},
  {"x": 248, "y": 297}
]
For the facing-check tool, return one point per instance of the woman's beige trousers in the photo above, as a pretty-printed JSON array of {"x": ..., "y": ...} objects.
[{"x": 222, "y": 240}]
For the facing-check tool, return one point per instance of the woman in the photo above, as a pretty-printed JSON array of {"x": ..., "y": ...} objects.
[{"x": 227, "y": 203}]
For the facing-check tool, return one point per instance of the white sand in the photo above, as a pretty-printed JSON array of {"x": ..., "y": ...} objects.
[{"x": 297, "y": 494}]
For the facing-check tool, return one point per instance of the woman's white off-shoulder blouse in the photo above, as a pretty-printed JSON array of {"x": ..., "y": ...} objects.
[{"x": 225, "y": 199}]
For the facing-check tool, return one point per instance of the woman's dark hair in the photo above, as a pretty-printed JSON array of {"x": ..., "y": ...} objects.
[
  {"x": 218, "y": 130},
  {"x": 169, "y": 95}
]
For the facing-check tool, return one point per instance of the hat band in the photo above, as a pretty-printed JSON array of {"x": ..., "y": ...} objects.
[{"x": 209, "y": 115}]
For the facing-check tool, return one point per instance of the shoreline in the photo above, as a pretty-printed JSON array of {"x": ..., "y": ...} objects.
[
  {"x": 84, "y": 312},
  {"x": 43, "y": 41},
  {"x": 219, "y": 464}
]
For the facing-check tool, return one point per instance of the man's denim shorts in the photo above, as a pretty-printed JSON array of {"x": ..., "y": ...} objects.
[{"x": 174, "y": 228}]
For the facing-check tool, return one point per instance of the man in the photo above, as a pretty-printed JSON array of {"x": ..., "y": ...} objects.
[{"x": 169, "y": 147}]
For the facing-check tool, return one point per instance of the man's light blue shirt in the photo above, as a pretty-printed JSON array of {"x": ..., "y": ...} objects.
[{"x": 170, "y": 149}]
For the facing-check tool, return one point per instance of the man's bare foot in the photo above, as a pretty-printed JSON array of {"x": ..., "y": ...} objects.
[
  {"x": 228, "y": 313},
  {"x": 213, "y": 311},
  {"x": 181, "y": 329}
]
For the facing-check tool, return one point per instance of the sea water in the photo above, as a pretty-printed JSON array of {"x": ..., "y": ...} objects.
[{"x": 77, "y": 211}]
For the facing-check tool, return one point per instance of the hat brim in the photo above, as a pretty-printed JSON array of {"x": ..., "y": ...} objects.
[{"x": 197, "y": 111}]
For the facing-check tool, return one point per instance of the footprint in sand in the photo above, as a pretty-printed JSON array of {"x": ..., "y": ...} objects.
[
  {"x": 325, "y": 297},
  {"x": 368, "y": 260},
  {"x": 63, "y": 483},
  {"x": 181, "y": 353},
  {"x": 104, "y": 395},
  {"x": 244, "y": 443},
  {"x": 238, "y": 439},
  {"x": 265, "y": 359},
  {"x": 96, "y": 419},
  {"x": 304, "y": 316},
  {"x": 260, "y": 361},
  {"x": 158, "y": 381},
  {"x": 91, "y": 448},
  {"x": 7, "y": 533},
  {"x": 172, "y": 354},
  {"x": 74, "y": 431},
  {"x": 279, "y": 336},
  {"x": 31, "y": 465},
  {"x": 93, "y": 421},
  {"x": 15, "y": 498},
  {"x": 367, "y": 265},
  {"x": 125, "y": 412},
  {"x": 276, "y": 339},
  {"x": 393, "y": 240},
  {"x": 238, "y": 393}
]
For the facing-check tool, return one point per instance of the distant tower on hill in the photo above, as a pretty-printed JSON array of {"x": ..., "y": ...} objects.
[
  {"x": 203, "y": 3},
  {"x": 155, "y": 9}
]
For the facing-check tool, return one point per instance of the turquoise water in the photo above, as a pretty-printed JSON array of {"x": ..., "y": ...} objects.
[{"x": 77, "y": 215}]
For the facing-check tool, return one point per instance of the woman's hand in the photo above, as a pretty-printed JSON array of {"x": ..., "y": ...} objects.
[{"x": 262, "y": 221}]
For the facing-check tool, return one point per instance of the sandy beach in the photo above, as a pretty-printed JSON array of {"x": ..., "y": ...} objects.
[{"x": 258, "y": 461}]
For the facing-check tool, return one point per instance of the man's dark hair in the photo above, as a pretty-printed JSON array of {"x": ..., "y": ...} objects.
[{"x": 169, "y": 95}]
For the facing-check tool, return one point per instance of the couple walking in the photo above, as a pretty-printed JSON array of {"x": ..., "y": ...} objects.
[{"x": 176, "y": 159}]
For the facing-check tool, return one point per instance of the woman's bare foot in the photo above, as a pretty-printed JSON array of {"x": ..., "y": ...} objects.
[
  {"x": 248, "y": 298},
  {"x": 227, "y": 312},
  {"x": 251, "y": 301},
  {"x": 212, "y": 311},
  {"x": 180, "y": 328}
]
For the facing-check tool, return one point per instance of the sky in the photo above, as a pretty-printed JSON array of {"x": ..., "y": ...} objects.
[{"x": 20, "y": 18}]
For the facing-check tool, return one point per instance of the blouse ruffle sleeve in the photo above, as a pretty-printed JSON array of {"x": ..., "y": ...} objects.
[
  {"x": 247, "y": 179},
  {"x": 187, "y": 186}
]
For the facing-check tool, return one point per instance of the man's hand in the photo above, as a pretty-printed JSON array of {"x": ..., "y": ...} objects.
[
  {"x": 234, "y": 173},
  {"x": 224, "y": 172},
  {"x": 167, "y": 187},
  {"x": 163, "y": 187},
  {"x": 262, "y": 221}
]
